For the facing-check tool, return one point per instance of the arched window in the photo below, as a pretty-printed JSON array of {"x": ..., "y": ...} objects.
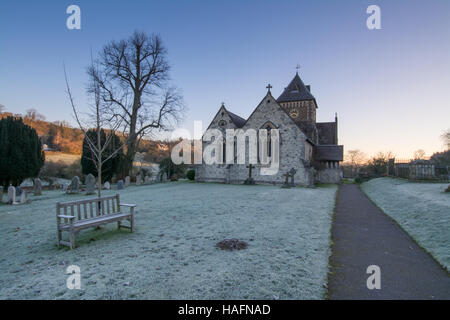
[
  {"x": 268, "y": 126},
  {"x": 224, "y": 152}
]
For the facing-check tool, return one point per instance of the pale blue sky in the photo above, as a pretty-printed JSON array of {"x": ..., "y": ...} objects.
[{"x": 390, "y": 87}]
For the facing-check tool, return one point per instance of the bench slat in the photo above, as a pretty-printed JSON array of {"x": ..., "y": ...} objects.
[
  {"x": 82, "y": 224},
  {"x": 91, "y": 211}
]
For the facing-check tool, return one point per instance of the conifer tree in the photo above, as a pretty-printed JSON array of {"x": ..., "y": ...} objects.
[{"x": 21, "y": 154}]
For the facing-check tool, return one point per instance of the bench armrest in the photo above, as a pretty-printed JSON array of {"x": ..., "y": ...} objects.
[
  {"x": 127, "y": 205},
  {"x": 66, "y": 217}
]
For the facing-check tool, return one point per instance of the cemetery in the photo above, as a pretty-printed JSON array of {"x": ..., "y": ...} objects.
[{"x": 174, "y": 251}]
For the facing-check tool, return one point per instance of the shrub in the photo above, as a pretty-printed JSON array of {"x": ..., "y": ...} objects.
[
  {"x": 171, "y": 169},
  {"x": 52, "y": 170},
  {"x": 190, "y": 174}
]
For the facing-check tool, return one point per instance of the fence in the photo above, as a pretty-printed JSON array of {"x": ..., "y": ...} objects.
[{"x": 418, "y": 170}]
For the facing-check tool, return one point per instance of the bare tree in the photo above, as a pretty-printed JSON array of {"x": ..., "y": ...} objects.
[
  {"x": 419, "y": 154},
  {"x": 356, "y": 158},
  {"x": 446, "y": 138},
  {"x": 132, "y": 79},
  {"x": 33, "y": 114},
  {"x": 96, "y": 119}
]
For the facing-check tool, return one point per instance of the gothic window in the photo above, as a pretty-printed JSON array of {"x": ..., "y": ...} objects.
[
  {"x": 224, "y": 151},
  {"x": 268, "y": 126}
]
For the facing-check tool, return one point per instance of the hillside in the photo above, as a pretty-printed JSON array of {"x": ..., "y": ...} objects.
[{"x": 60, "y": 137}]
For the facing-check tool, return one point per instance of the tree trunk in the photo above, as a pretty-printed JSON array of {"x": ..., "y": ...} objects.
[{"x": 99, "y": 166}]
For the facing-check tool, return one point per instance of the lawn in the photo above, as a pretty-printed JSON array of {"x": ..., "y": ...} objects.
[
  {"x": 172, "y": 253},
  {"x": 421, "y": 209}
]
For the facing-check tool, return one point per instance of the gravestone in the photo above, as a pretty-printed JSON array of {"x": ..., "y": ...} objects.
[
  {"x": 23, "y": 197},
  {"x": 37, "y": 188},
  {"x": 74, "y": 186},
  {"x": 292, "y": 172},
  {"x": 127, "y": 181},
  {"x": 120, "y": 185},
  {"x": 138, "y": 180},
  {"x": 107, "y": 185},
  {"x": 286, "y": 184},
  {"x": 147, "y": 179},
  {"x": 249, "y": 180},
  {"x": 11, "y": 195},
  {"x": 90, "y": 184},
  {"x": 164, "y": 177}
]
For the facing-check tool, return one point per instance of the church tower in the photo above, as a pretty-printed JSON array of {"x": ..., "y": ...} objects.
[{"x": 298, "y": 101}]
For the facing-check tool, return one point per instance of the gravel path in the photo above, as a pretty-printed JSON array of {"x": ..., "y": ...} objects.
[{"x": 363, "y": 235}]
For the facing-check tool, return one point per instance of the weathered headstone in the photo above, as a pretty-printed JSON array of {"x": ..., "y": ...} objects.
[
  {"x": 107, "y": 185},
  {"x": 37, "y": 187},
  {"x": 23, "y": 197},
  {"x": 138, "y": 179},
  {"x": 90, "y": 184},
  {"x": 120, "y": 185},
  {"x": 127, "y": 181},
  {"x": 164, "y": 177},
  {"x": 292, "y": 172},
  {"x": 74, "y": 186},
  {"x": 250, "y": 180},
  {"x": 147, "y": 179},
  {"x": 286, "y": 184},
  {"x": 11, "y": 195}
]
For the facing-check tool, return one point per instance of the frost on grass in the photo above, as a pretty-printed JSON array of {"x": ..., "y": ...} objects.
[
  {"x": 173, "y": 254},
  {"x": 422, "y": 209}
]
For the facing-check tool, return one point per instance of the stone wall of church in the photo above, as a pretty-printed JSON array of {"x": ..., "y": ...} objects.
[
  {"x": 329, "y": 175},
  {"x": 292, "y": 150}
]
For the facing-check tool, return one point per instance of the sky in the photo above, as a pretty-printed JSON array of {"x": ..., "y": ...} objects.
[{"x": 390, "y": 87}]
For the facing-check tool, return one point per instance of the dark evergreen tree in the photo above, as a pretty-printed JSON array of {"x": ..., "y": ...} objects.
[
  {"x": 21, "y": 154},
  {"x": 111, "y": 166}
]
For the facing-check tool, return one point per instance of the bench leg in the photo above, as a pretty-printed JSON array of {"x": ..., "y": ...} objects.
[
  {"x": 72, "y": 239},
  {"x": 132, "y": 223},
  {"x": 59, "y": 237}
]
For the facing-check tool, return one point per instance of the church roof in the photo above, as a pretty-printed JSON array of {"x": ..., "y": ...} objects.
[
  {"x": 327, "y": 132},
  {"x": 295, "y": 91},
  {"x": 329, "y": 153},
  {"x": 238, "y": 121}
]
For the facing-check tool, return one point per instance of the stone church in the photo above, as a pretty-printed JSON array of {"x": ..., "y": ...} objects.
[{"x": 309, "y": 147}]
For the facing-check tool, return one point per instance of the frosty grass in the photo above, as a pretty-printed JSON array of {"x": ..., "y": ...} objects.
[{"x": 172, "y": 253}]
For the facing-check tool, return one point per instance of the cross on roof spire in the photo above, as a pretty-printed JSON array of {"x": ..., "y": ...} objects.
[
  {"x": 297, "y": 67},
  {"x": 269, "y": 87}
]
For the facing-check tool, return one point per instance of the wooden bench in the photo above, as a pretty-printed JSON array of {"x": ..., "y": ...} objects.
[{"x": 77, "y": 215}]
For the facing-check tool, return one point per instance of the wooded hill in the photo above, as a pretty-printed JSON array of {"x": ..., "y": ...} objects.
[{"x": 60, "y": 136}]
